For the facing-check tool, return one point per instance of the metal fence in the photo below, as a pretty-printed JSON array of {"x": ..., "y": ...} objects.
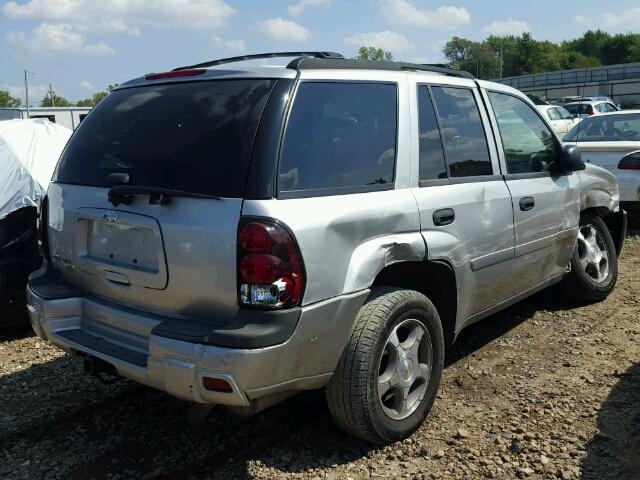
[{"x": 605, "y": 74}]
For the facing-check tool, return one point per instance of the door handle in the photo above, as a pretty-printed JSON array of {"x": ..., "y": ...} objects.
[
  {"x": 527, "y": 203},
  {"x": 444, "y": 216}
]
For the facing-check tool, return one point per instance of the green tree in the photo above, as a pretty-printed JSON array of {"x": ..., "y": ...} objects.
[
  {"x": 96, "y": 97},
  {"x": 93, "y": 101},
  {"x": 7, "y": 101},
  {"x": 371, "y": 53},
  {"x": 58, "y": 101}
]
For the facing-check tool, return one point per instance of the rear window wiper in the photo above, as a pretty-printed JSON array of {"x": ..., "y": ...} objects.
[{"x": 124, "y": 194}]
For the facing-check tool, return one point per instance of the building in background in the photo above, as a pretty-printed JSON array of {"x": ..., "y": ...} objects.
[
  {"x": 620, "y": 82},
  {"x": 69, "y": 117}
]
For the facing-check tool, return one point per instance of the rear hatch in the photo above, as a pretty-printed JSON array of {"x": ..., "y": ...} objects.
[{"x": 169, "y": 243}]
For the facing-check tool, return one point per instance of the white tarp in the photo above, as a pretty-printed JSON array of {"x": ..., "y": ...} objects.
[{"x": 29, "y": 151}]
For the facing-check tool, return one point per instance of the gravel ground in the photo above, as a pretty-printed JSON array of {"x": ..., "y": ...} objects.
[{"x": 545, "y": 389}]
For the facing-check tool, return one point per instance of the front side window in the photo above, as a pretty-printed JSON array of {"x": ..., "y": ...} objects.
[
  {"x": 529, "y": 146},
  {"x": 463, "y": 135},
  {"x": 432, "y": 166},
  {"x": 565, "y": 114},
  {"x": 554, "y": 114},
  {"x": 339, "y": 135},
  {"x": 607, "y": 128}
]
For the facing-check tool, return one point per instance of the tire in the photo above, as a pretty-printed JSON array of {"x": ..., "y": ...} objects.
[
  {"x": 592, "y": 277},
  {"x": 371, "y": 355}
]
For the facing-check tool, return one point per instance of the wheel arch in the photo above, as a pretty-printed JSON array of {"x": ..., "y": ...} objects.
[
  {"x": 616, "y": 222},
  {"x": 435, "y": 279}
]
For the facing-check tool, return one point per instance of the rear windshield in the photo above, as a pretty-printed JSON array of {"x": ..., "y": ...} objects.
[
  {"x": 192, "y": 136},
  {"x": 580, "y": 109}
]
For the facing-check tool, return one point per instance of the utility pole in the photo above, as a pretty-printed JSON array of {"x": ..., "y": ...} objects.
[
  {"x": 26, "y": 91},
  {"x": 501, "y": 49},
  {"x": 53, "y": 102}
]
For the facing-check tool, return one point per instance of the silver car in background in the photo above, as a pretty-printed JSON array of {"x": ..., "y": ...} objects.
[
  {"x": 612, "y": 141},
  {"x": 236, "y": 235},
  {"x": 588, "y": 108}
]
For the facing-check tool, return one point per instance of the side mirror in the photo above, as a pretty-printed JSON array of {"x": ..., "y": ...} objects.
[{"x": 571, "y": 159}]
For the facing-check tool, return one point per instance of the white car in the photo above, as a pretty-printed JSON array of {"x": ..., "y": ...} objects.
[
  {"x": 561, "y": 119},
  {"x": 591, "y": 108},
  {"x": 612, "y": 141}
]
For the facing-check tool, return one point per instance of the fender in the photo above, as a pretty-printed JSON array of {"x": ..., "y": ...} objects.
[
  {"x": 598, "y": 189},
  {"x": 370, "y": 257}
]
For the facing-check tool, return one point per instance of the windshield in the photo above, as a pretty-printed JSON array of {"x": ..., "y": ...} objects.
[
  {"x": 191, "y": 136},
  {"x": 606, "y": 128}
]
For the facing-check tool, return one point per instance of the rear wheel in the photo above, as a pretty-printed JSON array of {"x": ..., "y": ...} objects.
[
  {"x": 388, "y": 375},
  {"x": 594, "y": 266}
]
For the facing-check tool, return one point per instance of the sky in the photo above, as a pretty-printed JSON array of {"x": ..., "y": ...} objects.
[{"x": 81, "y": 46}]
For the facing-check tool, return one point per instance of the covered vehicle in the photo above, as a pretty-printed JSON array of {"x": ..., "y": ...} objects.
[{"x": 29, "y": 151}]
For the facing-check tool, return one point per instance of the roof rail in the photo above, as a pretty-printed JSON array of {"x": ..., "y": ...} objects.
[
  {"x": 222, "y": 61},
  {"x": 332, "y": 63}
]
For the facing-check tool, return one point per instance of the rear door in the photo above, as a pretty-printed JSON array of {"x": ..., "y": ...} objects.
[
  {"x": 172, "y": 254},
  {"x": 465, "y": 207},
  {"x": 546, "y": 204}
]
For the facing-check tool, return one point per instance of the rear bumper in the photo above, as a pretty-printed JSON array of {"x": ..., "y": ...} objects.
[{"x": 127, "y": 339}]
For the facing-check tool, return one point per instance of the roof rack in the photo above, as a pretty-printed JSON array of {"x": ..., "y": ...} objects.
[
  {"x": 333, "y": 63},
  {"x": 222, "y": 61}
]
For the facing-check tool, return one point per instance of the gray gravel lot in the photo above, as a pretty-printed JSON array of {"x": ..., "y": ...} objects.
[{"x": 545, "y": 389}]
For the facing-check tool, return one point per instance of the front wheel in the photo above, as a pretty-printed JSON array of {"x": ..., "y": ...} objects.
[
  {"x": 389, "y": 373},
  {"x": 594, "y": 266}
]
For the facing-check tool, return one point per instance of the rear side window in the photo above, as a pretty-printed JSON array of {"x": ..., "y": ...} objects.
[
  {"x": 191, "y": 136},
  {"x": 464, "y": 138},
  {"x": 339, "y": 135},
  {"x": 432, "y": 166}
]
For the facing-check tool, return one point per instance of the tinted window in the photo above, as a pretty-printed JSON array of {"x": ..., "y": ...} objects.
[
  {"x": 611, "y": 108},
  {"x": 554, "y": 114},
  {"x": 432, "y": 164},
  {"x": 580, "y": 109},
  {"x": 464, "y": 138},
  {"x": 608, "y": 128},
  {"x": 529, "y": 146},
  {"x": 192, "y": 136},
  {"x": 339, "y": 135}
]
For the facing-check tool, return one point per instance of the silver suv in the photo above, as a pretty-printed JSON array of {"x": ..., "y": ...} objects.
[{"x": 233, "y": 235}]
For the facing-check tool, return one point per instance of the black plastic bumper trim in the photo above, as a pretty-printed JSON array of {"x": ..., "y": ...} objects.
[
  {"x": 248, "y": 329},
  {"x": 47, "y": 285}
]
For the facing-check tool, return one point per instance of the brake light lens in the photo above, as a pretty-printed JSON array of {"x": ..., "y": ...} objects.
[
  {"x": 41, "y": 227},
  {"x": 590, "y": 110},
  {"x": 270, "y": 271},
  {"x": 630, "y": 162},
  {"x": 175, "y": 74}
]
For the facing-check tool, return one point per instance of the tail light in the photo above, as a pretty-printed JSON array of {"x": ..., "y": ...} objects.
[
  {"x": 41, "y": 227},
  {"x": 630, "y": 162},
  {"x": 270, "y": 270},
  {"x": 590, "y": 110}
]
